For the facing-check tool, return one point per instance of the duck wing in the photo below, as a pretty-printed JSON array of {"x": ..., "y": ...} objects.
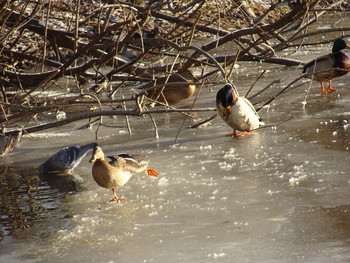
[
  {"x": 250, "y": 106},
  {"x": 322, "y": 63},
  {"x": 133, "y": 163}
]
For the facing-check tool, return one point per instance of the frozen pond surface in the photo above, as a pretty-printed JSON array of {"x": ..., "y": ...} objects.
[{"x": 278, "y": 195}]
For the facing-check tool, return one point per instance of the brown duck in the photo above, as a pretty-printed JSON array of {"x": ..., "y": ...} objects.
[
  {"x": 117, "y": 172},
  {"x": 174, "y": 89}
]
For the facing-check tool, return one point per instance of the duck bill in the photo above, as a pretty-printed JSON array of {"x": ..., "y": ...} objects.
[
  {"x": 152, "y": 172},
  {"x": 227, "y": 111},
  {"x": 347, "y": 46},
  {"x": 92, "y": 160}
]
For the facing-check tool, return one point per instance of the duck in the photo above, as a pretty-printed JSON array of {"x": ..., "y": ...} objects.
[
  {"x": 174, "y": 91},
  {"x": 330, "y": 66},
  {"x": 66, "y": 160},
  {"x": 118, "y": 171},
  {"x": 236, "y": 111}
]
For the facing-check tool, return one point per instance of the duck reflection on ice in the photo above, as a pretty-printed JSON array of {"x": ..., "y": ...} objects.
[
  {"x": 57, "y": 171},
  {"x": 64, "y": 183}
]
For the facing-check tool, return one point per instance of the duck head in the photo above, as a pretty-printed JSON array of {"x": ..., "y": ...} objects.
[
  {"x": 97, "y": 154},
  {"x": 226, "y": 96},
  {"x": 339, "y": 44}
]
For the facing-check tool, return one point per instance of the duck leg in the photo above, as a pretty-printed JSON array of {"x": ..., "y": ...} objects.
[
  {"x": 322, "y": 88},
  {"x": 330, "y": 89},
  {"x": 243, "y": 134},
  {"x": 235, "y": 134},
  {"x": 116, "y": 198},
  {"x": 151, "y": 172}
]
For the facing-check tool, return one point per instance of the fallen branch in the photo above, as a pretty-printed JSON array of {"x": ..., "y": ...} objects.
[{"x": 102, "y": 113}]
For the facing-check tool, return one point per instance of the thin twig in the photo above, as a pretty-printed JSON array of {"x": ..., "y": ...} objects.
[
  {"x": 281, "y": 92},
  {"x": 264, "y": 89},
  {"x": 252, "y": 86},
  {"x": 126, "y": 117},
  {"x": 203, "y": 122},
  {"x": 156, "y": 134},
  {"x": 273, "y": 125}
]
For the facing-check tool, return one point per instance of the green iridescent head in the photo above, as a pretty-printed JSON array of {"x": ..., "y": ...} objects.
[{"x": 339, "y": 44}]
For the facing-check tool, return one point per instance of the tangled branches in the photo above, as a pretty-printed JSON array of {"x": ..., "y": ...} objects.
[{"x": 76, "y": 57}]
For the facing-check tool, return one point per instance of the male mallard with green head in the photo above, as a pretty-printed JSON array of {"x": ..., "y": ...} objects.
[
  {"x": 117, "y": 172},
  {"x": 330, "y": 66},
  {"x": 236, "y": 111}
]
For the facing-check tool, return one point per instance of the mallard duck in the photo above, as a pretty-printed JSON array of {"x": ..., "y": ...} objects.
[
  {"x": 175, "y": 89},
  {"x": 330, "y": 66},
  {"x": 236, "y": 111},
  {"x": 118, "y": 171},
  {"x": 64, "y": 161}
]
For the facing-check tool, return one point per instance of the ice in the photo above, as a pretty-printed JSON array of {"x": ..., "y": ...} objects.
[
  {"x": 206, "y": 147},
  {"x": 277, "y": 195},
  {"x": 226, "y": 166},
  {"x": 163, "y": 182},
  {"x": 216, "y": 255}
]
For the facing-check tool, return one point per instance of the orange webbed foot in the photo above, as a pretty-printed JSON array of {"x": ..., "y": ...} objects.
[
  {"x": 243, "y": 134},
  {"x": 116, "y": 199},
  {"x": 152, "y": 172},
  {"x": 323, "y": 90},
  {"x": 331, "y": 90},
  {"x": 235, "y": 134}
]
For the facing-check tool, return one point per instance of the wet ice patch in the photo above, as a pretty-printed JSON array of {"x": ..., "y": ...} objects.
[
  {"x": 270, "y": 192},
  {"x": 299, "y": 175},
  {"x": 231, "y": 154},
  {"x": 178, "y": 146},
  {"x": 208, "y": 161},
  {"x": 162, "y": 182},
  {"x": 347, "y": 113},
  {"x": 226, "y": 166},
  {"x": 206, "y": 147},
  {"x": 278, "y": 219},
  {"x": 230, "y": 178},
  {"x": 295, "y": 180},
  {"x": 217, "y": 255}
]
